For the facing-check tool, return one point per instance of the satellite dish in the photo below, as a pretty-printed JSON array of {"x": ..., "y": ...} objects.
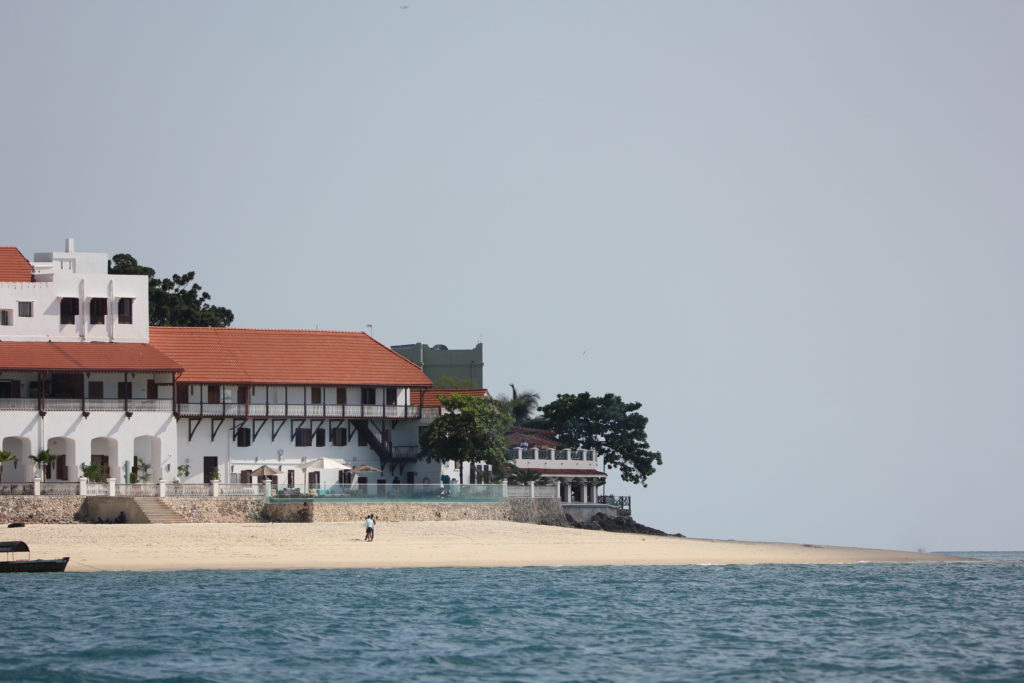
[{"x": 440, "y": 347}]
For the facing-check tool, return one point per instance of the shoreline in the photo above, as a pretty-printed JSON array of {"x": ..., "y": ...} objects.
[{"x": 339, "y": 545}]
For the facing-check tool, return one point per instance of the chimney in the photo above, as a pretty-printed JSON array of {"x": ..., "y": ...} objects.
[{"x": 69, "y": 245}]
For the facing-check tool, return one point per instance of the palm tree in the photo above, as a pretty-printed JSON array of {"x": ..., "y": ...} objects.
[
  {"x": 5, "y": 456},
  {"x": 524, "y": 476},
  {"x": 44, "y": 458},
  {"x": 521, "y": 406}
]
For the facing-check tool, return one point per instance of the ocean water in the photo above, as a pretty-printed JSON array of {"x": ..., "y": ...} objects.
[{"x": 918, "y": 622}]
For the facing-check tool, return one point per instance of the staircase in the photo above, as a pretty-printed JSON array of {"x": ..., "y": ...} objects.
[
  {"x": 384, "y": 451},
  {"x": 157, "y": 512}
]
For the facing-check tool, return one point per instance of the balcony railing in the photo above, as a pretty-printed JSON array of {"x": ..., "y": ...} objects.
[
  {"x": 326, "y": 410},
  {"x": 139, "y": 405},
  {"x": 89, "y": 405}
]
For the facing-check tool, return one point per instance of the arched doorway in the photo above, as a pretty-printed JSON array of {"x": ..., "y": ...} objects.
[
  {"x": 146, "y": 459},
  {"x": 103, "y": 450},
  {"x": 64, "y": 468},
  {"x": 19, "y": 469}
]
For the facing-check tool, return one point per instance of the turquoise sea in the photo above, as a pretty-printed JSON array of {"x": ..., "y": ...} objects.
[{"x": 916, "y": 622}]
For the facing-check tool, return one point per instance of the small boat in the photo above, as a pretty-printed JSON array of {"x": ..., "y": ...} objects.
[{"x": 28, "y": 565}]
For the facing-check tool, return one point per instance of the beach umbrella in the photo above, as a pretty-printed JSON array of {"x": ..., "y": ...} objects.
[
  {"x": 265, "y": 471},
  {"x": 365, "y": 468},
  {"x": 326, "y": 464}
]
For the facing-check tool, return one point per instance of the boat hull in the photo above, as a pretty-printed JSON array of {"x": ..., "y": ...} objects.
[{"x": 34, "y": 565}]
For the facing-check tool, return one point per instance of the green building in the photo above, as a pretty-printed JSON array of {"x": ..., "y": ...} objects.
[{"x": 447, "y": 368}]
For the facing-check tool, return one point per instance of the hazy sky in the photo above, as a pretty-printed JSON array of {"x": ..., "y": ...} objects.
[{"x": 792, "y": 230}]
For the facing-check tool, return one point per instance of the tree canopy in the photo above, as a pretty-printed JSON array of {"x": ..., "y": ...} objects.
[
  {"x": 608, "y": 424},
  {"x": 471, "y": 429},
  {"x": 176, "y": 301}
]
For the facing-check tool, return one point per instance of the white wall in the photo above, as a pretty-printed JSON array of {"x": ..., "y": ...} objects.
[{"x": 75, "y": 275}]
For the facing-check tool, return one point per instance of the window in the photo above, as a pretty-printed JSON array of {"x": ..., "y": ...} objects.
[
  {"x": 303, "y": 437},
  {"x": 213, "y": 393},
  {"x": 97, "y": 311},
  {"x": 315, "y": 395},
  {"x": 321, "y": 437},
  {"x": 124, "y": 311},
  {"x": 183, "y": 393},
  {"x": 68, "y": 311},
  {"x": 151, "y": 390},
  {"x": 243, "y": 437},
  {"x": 6, "y": 317},
  {"x": 24, "y": 309},
  {"x": 369, "y": 396},
  {"x": 391, "y": 396},
  {"x": 339, "y": 436},
  {"x": 314, "y": 480},
  {"x": 95, "y": 389},
  {"x": 124, "y": 390},
  {"x": 341, "y": 396}
]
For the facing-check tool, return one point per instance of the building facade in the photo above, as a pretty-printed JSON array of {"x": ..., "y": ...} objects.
[{"x": 84, "y": 377}]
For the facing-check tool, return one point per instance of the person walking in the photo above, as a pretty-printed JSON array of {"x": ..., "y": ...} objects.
[{"x": 369, "y": 528}]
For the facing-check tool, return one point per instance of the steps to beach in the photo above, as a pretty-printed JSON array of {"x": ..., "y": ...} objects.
[{"x": 157, "y": 512}]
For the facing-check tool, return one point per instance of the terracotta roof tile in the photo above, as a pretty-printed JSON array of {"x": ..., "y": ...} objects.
[
  {"x": 14, "y": 267},
  {"x": 230, "y": 355},
  {"x": 540, "y": 438},
  {"x": 84, "y": 357}
]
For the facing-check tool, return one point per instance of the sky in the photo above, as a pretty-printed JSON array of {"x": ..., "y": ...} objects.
[{"x": 792, "y": 230}]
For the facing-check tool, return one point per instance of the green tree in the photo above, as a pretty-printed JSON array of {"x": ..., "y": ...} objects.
[
  {"x": 609, "y": 425},
  {"x": 471, "y": 429},
  {"x": 5, "y": 457},
  {"x": 94, "y": 472},
  {"x": 42, "y": 460},
  {"x": 176, "y": 301}
]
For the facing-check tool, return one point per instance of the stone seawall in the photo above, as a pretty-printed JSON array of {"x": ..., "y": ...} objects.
[
  {"x": 41, "y": 509},
  {"x": 218, "y": 509},
  {"x": 69, "y": 509},
  {"x": 535, "y": 511}
]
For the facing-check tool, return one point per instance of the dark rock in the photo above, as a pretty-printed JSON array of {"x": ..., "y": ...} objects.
[{"x": 624, "y": 524}]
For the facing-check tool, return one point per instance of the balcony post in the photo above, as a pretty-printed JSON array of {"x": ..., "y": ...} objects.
[
  {"x": 111, "y": 487},
  {"x": 37, "y": 488},
  {"x": 83, "y": 486},
  {"x": 162, "y": 488}
]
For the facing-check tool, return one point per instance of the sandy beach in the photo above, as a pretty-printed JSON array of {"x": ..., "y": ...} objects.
[{"x": 167, "y": 547}]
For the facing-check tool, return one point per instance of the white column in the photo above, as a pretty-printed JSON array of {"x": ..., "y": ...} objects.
[
  {"x": 162, "y": 488},
  {"x": 37, "y": 489},
  {"x": 111, "y": 487},
  {"x": 216, "y": 488},
  {"x": 83, "y": 486},
  {"x": 558, "y": 489},
  {"x": 532, "y": 494}
]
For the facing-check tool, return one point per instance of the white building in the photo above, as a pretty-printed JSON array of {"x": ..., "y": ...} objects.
[{"x": 83, "y": 376}]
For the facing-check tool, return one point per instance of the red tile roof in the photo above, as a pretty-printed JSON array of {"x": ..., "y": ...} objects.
[
  {"x": 230, "y": 355},
  {"x": 549, "y": 470},
  {"x": 84, "y": 357},
  {"x": 14, "y": 267},
  {"x": 536, "y": 438},
  {"x": 432, "y": 397}
]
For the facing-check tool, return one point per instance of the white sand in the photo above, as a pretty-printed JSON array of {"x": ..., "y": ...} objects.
[{"x": 156, "y": 547}]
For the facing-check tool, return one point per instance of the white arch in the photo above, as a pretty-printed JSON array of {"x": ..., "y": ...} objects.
[
  {"x": 147, "y": 450},
  {"x": 20, "y": 469},
  {"x": 64, "y": 445},
  {"x": 104, "y": 449}
]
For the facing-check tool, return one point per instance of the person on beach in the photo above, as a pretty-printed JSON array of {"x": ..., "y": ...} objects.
[{"x": 369, "y": 528}]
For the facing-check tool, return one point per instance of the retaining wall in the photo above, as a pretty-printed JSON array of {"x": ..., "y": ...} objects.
[
  {"x": 68, "y": 509},
  {"x": 41, "y": 509}
]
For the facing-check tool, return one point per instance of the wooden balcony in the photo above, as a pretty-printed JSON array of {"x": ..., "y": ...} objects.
[{"x": 336, "y": 411}]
